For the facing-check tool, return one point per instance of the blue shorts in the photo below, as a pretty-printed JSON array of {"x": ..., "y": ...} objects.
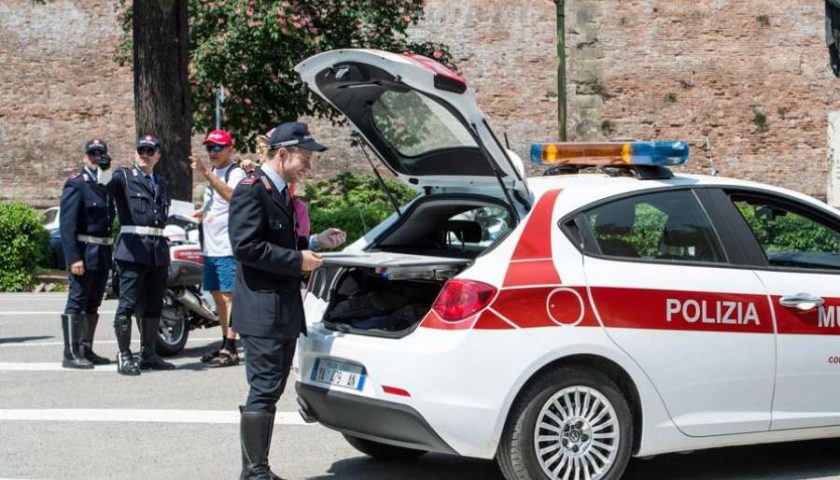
[{"x": 219, "y": 274}]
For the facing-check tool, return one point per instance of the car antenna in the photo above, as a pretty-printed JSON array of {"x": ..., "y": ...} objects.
[
  {"x": 396, "y": 205},
  {"x": 507, "y": 141}
]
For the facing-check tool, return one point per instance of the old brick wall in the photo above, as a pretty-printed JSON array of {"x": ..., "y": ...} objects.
[
  {"x": 752, "y": 76},
  {"x": 749, "y": 75}
]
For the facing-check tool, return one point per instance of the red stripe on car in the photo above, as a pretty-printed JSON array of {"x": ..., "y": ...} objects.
[
  {"x": 535, "y": 241},
  {"x": 490, "y": 321},
  {"x": 815, "y": 321},
  {"x": 536, "y": 272},
  {"x": 683, "y": 310},
  {"x": 545, "y": 307}
]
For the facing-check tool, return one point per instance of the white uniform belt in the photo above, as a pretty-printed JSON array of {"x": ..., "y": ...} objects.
[
  {"x": 96, "y": 240},
  {"x": 140, "y": 230}
]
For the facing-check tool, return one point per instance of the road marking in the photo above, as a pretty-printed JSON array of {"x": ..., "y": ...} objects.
[
  {"x": 50, "y": 367},
  {"x": 56, "y": 312},
  {"x": 138, "y": 416},
  {"x": 96, "y": 342}
]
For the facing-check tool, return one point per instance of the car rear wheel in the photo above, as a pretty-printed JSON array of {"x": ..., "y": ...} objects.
[
  {"x": 382, "y": 451},
  {"x": 571, "y": 423}
]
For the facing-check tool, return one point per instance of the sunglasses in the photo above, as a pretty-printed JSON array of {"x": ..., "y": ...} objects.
[
  {"x": 216, "y": 148},
  {"x": 146, "y": 151}
]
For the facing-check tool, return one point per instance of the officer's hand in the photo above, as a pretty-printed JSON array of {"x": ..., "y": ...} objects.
[
  {"x": 198, "y": 215},
  {"x": 199, "y": 166},
  {"x": 248, "y": 165},
  {"x": 331, "y": 238},
  {"x": 78, "y": 268},
  {"x": 311, "y": 260}
]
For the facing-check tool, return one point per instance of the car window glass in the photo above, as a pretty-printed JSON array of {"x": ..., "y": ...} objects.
[
  {"x": 790, "y": 237},
  {"x": 476, "y": 229},
  {"x": 49, "y": 216},
  {"x": 666, "y": 226},
  {"x": 415, "y": 124}
]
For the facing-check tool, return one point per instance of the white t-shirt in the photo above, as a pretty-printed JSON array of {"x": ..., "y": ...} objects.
[{"x": 215, "y": 223}]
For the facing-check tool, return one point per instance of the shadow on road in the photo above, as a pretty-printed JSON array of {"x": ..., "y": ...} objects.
[
  {"x": 24, "y": 339},
  {"x": 782, "y": 461},
  {"x": 787, "y": 461},
  {"x": 428, "y": 467}
]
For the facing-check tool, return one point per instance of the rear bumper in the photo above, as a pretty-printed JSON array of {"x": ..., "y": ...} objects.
[{"x": 368, "y": 418}]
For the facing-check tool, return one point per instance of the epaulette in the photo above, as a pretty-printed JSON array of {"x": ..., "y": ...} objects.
[
  {"x": 250, "y": 180},
  {"x": 74, "y": 176},
  {"x": 266, "y": 183}
]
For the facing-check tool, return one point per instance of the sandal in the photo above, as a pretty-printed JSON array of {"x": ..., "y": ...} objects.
[
  {"x": 225, "y": 359},
  {"x": 208, "y": 357}
]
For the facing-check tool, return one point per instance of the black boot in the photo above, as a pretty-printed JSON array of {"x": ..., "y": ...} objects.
[
  {"x": 255, "y": 430},
  {"x": 126, "y": 364},
  {"x": 73, "y": 356},
  {"x": 149, "y": 359},
  {"x": 89, "y": 322}
]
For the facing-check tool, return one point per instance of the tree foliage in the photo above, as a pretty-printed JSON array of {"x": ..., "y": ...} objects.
[
  {"x": 25, "y": 244},
  {"x": 353, "y": 203},
  {"x": 779, "y": 231},
  {"x": 250, "y": 47}
]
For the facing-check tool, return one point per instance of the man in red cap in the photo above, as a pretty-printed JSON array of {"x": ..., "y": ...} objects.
[{"x": 219, "y": 265}]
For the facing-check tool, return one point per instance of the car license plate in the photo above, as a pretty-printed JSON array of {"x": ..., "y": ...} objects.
[{"x": 343, "y": 374}]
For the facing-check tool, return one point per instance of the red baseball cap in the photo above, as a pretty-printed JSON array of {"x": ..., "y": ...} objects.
[{"x": 218, "y": 137}]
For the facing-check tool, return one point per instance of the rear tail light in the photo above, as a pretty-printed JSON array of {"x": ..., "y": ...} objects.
[{"x": 460, "y": 299}]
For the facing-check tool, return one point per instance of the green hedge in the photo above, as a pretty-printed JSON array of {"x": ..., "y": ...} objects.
[
  {"x": 353, "y": 203},
  {"x": 24, "y": 243}
]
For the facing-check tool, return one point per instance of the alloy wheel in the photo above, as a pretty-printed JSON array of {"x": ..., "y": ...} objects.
[{"x": 577, "y": 435}]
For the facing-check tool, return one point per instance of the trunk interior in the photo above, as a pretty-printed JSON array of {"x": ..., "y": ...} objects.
[{"x": 388, "y": 289}]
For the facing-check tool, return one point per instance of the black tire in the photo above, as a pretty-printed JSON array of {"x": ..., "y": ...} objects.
[
  {"x": 173, "y": 332},
  {"x": 517, "y": 455},
  {"x": 382, "y": 451}
]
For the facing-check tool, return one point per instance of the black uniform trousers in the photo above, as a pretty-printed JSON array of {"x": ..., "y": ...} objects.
[
  {"x": 141, "y": 288},
  {"x": 86, "y": 292},
  {"x": 267, "y": 365}
]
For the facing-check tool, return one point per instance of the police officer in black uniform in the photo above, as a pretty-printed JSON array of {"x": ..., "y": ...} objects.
[
  {"x": 86, "y": 216},
  {"x": 267, "y": 306},
  {"x": 142, "y": 255}
]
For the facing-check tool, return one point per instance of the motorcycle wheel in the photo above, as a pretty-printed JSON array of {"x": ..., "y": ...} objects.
[{"x": 173, "y": 332}]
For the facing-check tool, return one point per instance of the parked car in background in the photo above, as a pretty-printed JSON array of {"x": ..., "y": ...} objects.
[{"x": 51, "y": 224}]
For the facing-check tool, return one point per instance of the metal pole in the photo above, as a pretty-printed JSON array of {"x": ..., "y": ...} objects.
[
  {"x": 220, "y": 97},
  {"x": 561, "y": 69}
]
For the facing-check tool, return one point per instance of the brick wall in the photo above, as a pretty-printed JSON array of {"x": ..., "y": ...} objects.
[
  {"x": 752, "y": 76},
  {"x": 749, "y": 75}
]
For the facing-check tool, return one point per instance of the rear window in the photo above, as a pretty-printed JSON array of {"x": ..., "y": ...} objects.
[
  {"x": 666, "y": 226},
  {"x": 476, "y": 229},
  {"x": 414, "y": 124}
]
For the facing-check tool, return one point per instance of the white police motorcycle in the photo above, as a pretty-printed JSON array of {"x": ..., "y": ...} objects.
[{"x": 184, "y": 306}]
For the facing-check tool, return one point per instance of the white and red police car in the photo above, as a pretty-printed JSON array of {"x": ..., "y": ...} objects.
[{"x": 565, "y": 323}]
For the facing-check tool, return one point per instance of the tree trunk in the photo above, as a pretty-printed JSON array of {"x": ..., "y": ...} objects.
[{"x": 161, "y": 88}]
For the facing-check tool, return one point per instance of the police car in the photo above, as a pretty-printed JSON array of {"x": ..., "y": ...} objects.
[{"x": 566, "y": 323}]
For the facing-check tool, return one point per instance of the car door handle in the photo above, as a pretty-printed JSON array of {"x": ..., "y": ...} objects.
[{"x": 802, "y": 301}]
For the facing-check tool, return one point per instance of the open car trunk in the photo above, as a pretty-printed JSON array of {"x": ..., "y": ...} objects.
[
  {"x": 385, "y": 301},
  {"x": 387, "y": 289}
]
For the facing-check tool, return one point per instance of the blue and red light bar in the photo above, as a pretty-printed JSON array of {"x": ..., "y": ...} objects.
[{"x": 658, "y": 153}]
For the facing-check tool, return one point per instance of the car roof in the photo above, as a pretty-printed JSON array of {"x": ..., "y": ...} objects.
[{"x": 581, "y": 189}]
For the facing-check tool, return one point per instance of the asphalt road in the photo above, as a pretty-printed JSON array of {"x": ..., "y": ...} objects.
[{"x": 182, "y": 424}]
